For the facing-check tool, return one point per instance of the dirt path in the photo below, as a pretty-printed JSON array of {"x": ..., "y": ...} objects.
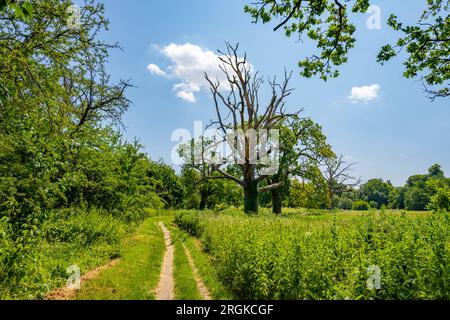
[
  {"x": 67, "y": 293},
  {"x": 165, "y": 290},
  {"x": 204, "y": 292}
]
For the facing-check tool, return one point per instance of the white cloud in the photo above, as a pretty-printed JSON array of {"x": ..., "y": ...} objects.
[
  {"x": 365, "y": 94},
  {"x": 187, "y": 96},
  {"x": 153, "y": 68},
  {"x": 189, "y": 65}
]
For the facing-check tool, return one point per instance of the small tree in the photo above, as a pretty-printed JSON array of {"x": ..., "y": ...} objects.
[
  {"x": 302, "y": 147},
  {"x": 337, "y": 173}
]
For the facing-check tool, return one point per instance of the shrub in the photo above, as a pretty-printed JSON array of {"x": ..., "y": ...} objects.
[
  {"x": 361, "y": 206},
  {"x": 35, "y": 260},
  {"x": 440, "y": 201},
  {"x": 416, "y": 199},
  {"x": 189, "y": 221},
  {"x": 344, "y": 203}
]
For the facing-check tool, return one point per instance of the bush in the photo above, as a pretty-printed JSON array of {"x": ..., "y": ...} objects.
[
  {"x": 189, "y": 221},
  {"x": 345, "y": 203},
  {"x": 361, "y": 206},
  {"x": 35, "y": 262},
  {"x": 85, "y": 228},
  {"x": 416, "y": 199},
  {"x": 440, "y": 201}
]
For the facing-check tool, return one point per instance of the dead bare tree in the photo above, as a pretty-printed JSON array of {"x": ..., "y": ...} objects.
[
  {"x": 337, "y": 173},
  {"x": 239, "y": 109}
]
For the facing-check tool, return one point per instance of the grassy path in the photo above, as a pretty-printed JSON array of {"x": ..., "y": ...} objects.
[
  {"x": 159, "y": 262},
  {"x": 165, "y": 290},
  {"x": 137, "y": 272},
  {"x": 204, "y": 291},
  {"x": 204, "y": 271}
]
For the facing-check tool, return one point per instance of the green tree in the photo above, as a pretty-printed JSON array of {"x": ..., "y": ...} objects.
[
  {"x": 167, "y": 184},
  {"x": 397, "y": 198},
  {"x": 200, "y": 178},
  {"x": 416, "y": 199},
  {"x": 440, "y": 201},
  {"x": 311, "y": 194},
  {"x": 302, "y": 147},
  {"x": 376, "y": 190},
  {"x": 60, "y": 117},
  {"x": 361, "y": 205},
  {"x": 435, "y": 171},
  {"x": 59, "y": 100},
  {"x": 189, "y": 178}
]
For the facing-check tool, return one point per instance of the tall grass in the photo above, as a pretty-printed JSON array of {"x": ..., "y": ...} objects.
[
  {"x": 86, "y": 238},
  {"x": 329, "y": 257}
]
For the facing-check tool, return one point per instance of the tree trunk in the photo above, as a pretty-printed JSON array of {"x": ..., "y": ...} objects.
[
  {"x": 276, "y": 201},
  {"x": 204, "y": 195},
  {"x": 331, "y": 196},
  {"x": 251, "y": 197},
  {"x": 203, "y": 200}
]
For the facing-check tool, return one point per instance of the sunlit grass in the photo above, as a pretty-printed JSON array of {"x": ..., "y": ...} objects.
[{"x": 137, "y": 274}]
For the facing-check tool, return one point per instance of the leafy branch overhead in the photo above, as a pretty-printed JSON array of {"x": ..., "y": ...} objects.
[
  {"x": 428, "y": 47},
  {"x": 324, "y": 22},
  {"x": 22, "y": 9}
]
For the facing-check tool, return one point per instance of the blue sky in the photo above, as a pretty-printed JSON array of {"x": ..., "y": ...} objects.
[{"x": 397, "y": 134}]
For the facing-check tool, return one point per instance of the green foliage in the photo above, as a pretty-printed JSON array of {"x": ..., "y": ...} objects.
[
  {"x": 325, "y": 22},
  {"x": 302, "y": 146},
  {"x": 204, "y": 189},
  {"x": 427, "y": 46},
  {"x": 312, "y": 195},
  {"x": 416, "y": 199},
  {"x": 436, "y": 172},
  {"x": 189, "y": 221},
  {"x": 32, "y": 266},
  {"x": 167, "y": 184},
  {"x": 324, "y": 258},
  {"x": 61, "y": 147},
  {"x": 361, "y": 205},
  {"x": 440, "y": 200},
  {"x": 377, "y": 191},
  {"x": 22, "y": 9},
  {"x": 344, "y": 203}
]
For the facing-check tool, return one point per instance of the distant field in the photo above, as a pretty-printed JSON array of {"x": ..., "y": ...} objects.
[{"x": 305, "y": 211}]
